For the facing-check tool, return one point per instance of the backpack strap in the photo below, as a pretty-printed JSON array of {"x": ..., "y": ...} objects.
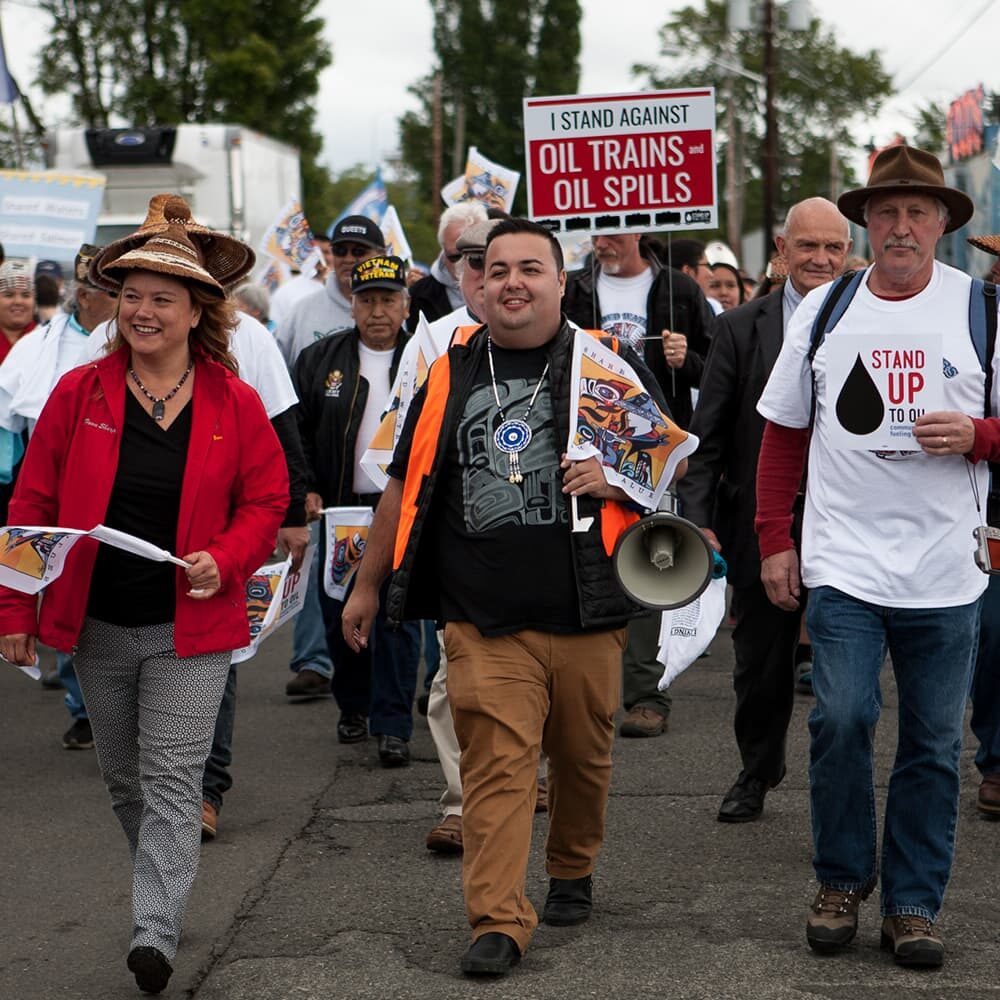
[
  {"x": 983, "y": 330},
  {"x": 838, "y": 298}
]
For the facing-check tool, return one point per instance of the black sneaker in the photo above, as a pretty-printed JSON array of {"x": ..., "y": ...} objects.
[
  {"x": 79, "y": 736},
  {"x": 151, "y": 969}
]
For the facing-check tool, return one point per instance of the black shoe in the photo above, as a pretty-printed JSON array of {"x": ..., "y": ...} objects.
[
  {"x": 307, "y": 685},
  {"x": 569, "y": 901},
  {"x": 492, "y": 954},
  {"x": 151, "y": 969},
  {"x": 79, "y": 736},
  {"x": 393, "y": 752},
  {"x": 352, "y": 728},
  {"x": 744, "y": 802}
]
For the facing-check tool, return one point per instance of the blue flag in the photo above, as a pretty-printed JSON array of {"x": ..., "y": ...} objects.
[
  {"x": 372, "y": 203},
  {"x": 8, "y": 88}
]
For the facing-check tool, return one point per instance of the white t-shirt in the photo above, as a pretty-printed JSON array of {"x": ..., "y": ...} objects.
[
  {"x": 623, "y": 306},
  {"x": 260, "y": 362},
  {"x": 894, "y": 530},
  {"x": 375, "y": 366},
  {"x": 285, "y": 296}
]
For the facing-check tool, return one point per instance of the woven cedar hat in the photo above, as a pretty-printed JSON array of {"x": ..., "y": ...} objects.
[
  {"x": 990, "y": 243},
  {"x": 907, "y": 170},
  {"x": 170, "y": 242}
]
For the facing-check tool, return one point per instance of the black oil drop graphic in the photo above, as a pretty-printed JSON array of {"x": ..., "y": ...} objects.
[{"x": 859, "y": 406}]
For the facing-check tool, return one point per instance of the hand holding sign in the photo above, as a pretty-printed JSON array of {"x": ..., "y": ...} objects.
[{"x": 945, "y": 432}]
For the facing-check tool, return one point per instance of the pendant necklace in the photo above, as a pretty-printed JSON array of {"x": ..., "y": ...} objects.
[
  {"x": 159, "y": 405},
  {"x": 513, "y": 435}
]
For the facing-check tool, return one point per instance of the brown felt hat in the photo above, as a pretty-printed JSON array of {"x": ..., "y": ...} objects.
[
  {"x": 908, "y": 170},
  {"x": 989, "y": 243},
  {"x": 170, "y": 242}
]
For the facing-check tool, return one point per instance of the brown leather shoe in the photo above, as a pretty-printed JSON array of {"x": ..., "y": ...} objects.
[
  {"x": 446, "y": 837},
  {"x": 307, "y": 685},
  {"x": 912, "y": 940},
  {"x": 542, "y": 796},
  {"x": 643, "y": 721},
  {"x": 209, "y": 821},
  {"x": 988, "y": 801},
  {"x": 833, "y": 918}
]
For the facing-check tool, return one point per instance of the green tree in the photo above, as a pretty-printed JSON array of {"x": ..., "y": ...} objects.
[
  {"x": 490, "y": 55},
  {"x": 821, "y": 89},
  {"x": 928, "y": 121},
  {"x": 252, "y": 62}
]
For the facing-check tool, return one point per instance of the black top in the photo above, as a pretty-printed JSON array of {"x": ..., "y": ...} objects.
[
  {"x": 145, "y": 501},
  {"x": 501, "y": 551}
]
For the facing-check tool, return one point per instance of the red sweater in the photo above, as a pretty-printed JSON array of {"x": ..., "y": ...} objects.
[
  {"x": 233, "y": 498},
  {"x": 779, "y": 474}
]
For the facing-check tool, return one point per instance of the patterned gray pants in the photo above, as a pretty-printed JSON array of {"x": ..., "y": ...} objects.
[{"x": 153, "y": 715}]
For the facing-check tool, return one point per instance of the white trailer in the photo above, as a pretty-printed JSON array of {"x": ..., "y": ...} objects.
[{"x": 235, "y": 180}]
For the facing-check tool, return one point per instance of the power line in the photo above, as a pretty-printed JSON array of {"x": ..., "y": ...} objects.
[{"x": 961, "y": 31}]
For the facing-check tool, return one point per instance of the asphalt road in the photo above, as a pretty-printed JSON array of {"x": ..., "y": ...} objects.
[{"x": 319, "y": 885}]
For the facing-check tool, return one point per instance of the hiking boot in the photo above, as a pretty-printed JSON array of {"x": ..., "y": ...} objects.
[
  {"x": 307, "y": 685},
  {"x": 643, "y": 721},
  {"x": 79, "y": 736},
  {"x": 833, "y": 918},
  {"x": 912, "y": 940}
]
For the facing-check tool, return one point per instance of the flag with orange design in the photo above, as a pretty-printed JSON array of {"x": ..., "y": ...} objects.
[{"x": 346, "y": 537}]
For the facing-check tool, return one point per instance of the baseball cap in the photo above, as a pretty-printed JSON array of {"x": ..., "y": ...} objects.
[
  {"x": 379, "y": 272},
  {"x": 358, "y": 229},
  {"x": 49, "y": 267}
]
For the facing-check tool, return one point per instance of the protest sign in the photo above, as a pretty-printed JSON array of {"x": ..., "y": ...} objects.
[
  {"x": 48, "y": 213},
  {"x": 346, "y": 536},
  {"x": 274, "y": 595},
  {"x": 619, "y": 163},
  {"x": 32, "y": 557},
  {"x": 613, "y": 418},
  {"x": 877, "y": 385}
]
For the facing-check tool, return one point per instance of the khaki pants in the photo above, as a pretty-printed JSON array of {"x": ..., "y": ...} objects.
[{"x": 512, "y": 697}]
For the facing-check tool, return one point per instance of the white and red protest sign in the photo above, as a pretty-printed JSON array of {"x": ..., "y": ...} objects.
[
  {"x": 618, "y": 163},
  {"x": 878, "y": 385}
]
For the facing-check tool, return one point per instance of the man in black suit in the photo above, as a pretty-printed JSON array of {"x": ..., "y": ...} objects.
[{"x": 718, "y": 494}]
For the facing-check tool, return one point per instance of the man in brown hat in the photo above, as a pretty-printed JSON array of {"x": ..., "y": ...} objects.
[{"x": 887, "y": 551}]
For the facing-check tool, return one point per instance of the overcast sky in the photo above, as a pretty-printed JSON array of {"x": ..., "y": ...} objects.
[{"x": 390, "y": 44}]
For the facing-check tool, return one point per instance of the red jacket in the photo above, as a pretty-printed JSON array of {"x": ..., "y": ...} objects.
[{"x": 233, "y": 498}]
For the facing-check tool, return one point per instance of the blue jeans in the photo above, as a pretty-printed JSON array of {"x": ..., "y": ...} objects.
[
  {"x": 986, "y": 683},
  {"x": 73, "y": 699},
  {"x": 217, "y": 780},
  {"x": 309, "y": 648},
  {"x": 932, "y": 651},
  {"x": 380, "y": 681}
]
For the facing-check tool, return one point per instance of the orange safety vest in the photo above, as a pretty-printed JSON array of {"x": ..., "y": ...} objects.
[{"x": 615, "y": 516}]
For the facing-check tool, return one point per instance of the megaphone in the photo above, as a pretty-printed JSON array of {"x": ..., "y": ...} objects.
[{"x": 663, "y": 561}]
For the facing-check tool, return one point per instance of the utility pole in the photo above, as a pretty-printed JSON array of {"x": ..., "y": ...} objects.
[{"x": 770, "y": 129}]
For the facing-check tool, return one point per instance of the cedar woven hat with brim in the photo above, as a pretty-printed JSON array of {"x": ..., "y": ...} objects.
[
  {"x": 170, "y": 242},
  {"x": 989, "y": 243},
  {"x": 908, "y": 170}
]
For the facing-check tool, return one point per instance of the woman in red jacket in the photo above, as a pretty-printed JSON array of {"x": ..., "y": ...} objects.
[{"x": 162, "y": 440}]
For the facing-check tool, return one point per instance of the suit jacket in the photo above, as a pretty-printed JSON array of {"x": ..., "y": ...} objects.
[{"x": 719, "y": 490}]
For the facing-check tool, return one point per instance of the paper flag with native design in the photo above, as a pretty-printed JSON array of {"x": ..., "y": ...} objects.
[
  {"x": 614, "y": 418},
  {"x": 289, "y": 238},
  {"x": 484, "y": 181},
  {"x": 420, "y": 354},
  {"x": 396, "y": 242},
  {"x": 346, "y": 537}
]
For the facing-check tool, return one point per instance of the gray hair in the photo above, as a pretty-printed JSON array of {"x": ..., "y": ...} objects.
[
  {"x": 254, "y": 296},
  {"x": 467, "y": 212}
]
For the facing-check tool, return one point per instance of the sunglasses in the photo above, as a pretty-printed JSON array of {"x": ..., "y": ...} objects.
[
  {"x": 455, "y": 257},
  {"x": 345, "y": 249},
  {"x": 475, "y": 261}
]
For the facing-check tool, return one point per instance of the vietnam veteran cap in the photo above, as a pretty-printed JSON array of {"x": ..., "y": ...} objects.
[{"x": 379, "y": 272}]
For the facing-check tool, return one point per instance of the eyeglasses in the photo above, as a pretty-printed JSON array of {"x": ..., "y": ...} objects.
[
  {"x": 475, "y": 261},
  {"x": 455, "y": 257},
  {"x": 343, "y": 249}
]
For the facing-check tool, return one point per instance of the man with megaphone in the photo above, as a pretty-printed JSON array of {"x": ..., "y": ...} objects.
[{"x": 476, "y": 523}]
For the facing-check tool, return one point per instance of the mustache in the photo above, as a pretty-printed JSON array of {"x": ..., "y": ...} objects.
[{"x": 902, "y": 244}]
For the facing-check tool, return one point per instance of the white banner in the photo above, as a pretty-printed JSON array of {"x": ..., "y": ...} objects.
[{"x": 346, "y": 537}]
